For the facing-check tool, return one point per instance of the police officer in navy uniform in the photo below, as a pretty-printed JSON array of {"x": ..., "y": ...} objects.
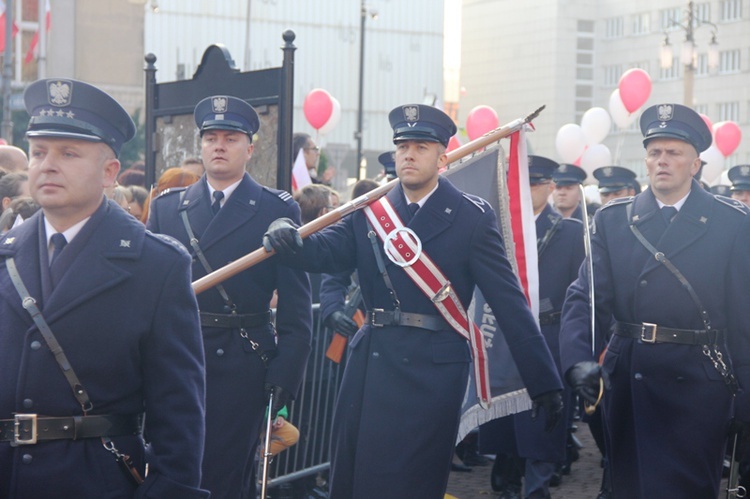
[
  {"x": 227, "y": 212},
  {"x": 671, "y": 269},
  {"x": 740, "y": 177},
  {"x": 388, "y": 160},
  {"x": 117, "y": 336},
  {"x": 722, "y": 190},
  {"x": 560, "y": 253},
  {"x": 615, "y": 182},
  {"x": 399, "y": 404},
  {"x": 567, "y": 194}
]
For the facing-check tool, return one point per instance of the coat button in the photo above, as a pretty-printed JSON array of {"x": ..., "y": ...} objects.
[
  {"x": 220, "y": 352},
  {"x": 375, "y": 354},
  {"x": 638, "y": 376},
  {"x": 27, "y": 459},
  {"x": 35, "y": 345},
  {"x": 643, "y": 283},
  {"x": 28, "y": 403}
]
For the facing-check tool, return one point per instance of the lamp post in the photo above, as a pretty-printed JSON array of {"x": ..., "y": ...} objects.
[
  {"x": 688, "y": 55},
  {"x": 363, "y": 13}
]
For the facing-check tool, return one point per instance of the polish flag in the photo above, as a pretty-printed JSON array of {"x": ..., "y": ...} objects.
[
  {"x": 300, "y": 175},
  {"x": 2, "y": 26},
  {"x": 523, "y": 225},
  {"x": 33, "y": 51}
]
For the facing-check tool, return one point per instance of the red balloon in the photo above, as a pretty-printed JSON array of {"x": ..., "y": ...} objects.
[
  {"x": 453, "y": 143},
  {"x": 727, "y": 137},
  {"x": 318, "y": 107},
  {"x": 635, "y": 88},
  {"x": 482, "y": 119}
]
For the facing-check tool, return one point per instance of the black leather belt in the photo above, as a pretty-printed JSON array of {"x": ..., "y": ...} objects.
[
  {"x": 235, "y": 321},
  {"x": 379, "y": 318},
  {"x": 549, "y": 318},
  {"x": 652, "y": 333},
  {"x": 27, "y": 429}
]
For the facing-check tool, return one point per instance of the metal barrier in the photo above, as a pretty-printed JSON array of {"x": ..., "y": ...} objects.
[{"x": 311, "y": 413}]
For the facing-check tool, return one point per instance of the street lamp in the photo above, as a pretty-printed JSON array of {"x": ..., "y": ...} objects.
[
  {"x": 364, "y": 13},
  {"x": 688, "y": 54}
]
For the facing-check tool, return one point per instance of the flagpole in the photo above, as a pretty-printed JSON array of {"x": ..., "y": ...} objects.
[
  {"x": 42, "y": 47},
  {"x": 260, "y": 254},
  {"x": 7, "y": 124}
]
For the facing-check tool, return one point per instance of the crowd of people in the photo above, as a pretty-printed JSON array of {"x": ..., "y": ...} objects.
[{"x": 117, "y": 379}]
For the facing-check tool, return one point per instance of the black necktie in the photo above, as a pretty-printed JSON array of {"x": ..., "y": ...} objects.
[
  {"x": 218, "y": 196},
  {"x": 668, "y": 212},
  {"x": 59, "y": 242},
  {"x": 413, "y": 207}
]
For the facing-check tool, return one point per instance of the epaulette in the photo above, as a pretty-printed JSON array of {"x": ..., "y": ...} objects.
[
  {"x": 169, "y": 240},
  {"x": 617, "y": 202},
  {"x": 737, "y": 205},
  {"x": 283, "y": 195},
  {"x": 171, "y": 190},
  {"x": 477, "y": 201}
]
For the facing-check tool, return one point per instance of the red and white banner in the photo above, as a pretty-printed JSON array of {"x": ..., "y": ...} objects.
[
  {"x": 522, "y": 220},
  {"x": 2, "y": 26},
  {"x": 33, "y": 51},
  {"x": 300, "y": 175}
]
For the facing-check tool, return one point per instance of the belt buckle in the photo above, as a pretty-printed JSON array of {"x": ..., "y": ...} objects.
[
  {"x": 19, "y": 420},
  {"x": 373, "y": 322},
  {"x": 652, "y": 328}
]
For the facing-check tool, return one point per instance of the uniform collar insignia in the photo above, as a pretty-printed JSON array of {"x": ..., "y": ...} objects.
[
  {"x": 252, "y": 202},
  {"x": 124, "y": 243},
  {"x": 703, "y": 220},
  {"x": 448, "y": 211},
  {"x": 9, "y": 240},
  {"x": 635, "y": 218}
]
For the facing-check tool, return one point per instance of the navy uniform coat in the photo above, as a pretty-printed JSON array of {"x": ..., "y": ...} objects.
[
  {"x": 126, "y": 317},
  {"x": 235, "y": 374},
  {"x": 668, "y": 410},
  {"x": 399, "y": 405},
  {"x": 558, "y": 266}
]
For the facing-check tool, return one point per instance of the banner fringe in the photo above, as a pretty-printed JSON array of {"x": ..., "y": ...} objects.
[{"x": 502, "y": 405}]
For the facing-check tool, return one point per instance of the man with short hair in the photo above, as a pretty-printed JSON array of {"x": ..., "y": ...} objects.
[
  {"x": 615, "y": 182},
  {"x": 566, "y": 198},
  {"x": 99, "y": 324},
  {"x": 670, "y": 272},
  {"x": 740, "y": 177},
  {"x": 13, "y": 159},
  {"x": 221, "y": 218},
  {"x": 399, "y": 405}
]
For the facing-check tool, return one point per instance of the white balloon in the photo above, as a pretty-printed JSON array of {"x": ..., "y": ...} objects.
[
  {"x": 596, "y": 156},
  {"x": 620, "y": 114},
  {"x": 570, "y": 142},
  {"x": 596, "y": 124},
  {"x": 334, "y": 119},
  {"x": 714, "y": 163}
]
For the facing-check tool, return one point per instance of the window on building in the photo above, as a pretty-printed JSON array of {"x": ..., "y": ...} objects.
[
  {"x": 585, "y": 43},
  {"x": 644, "y": 65},
  {"x": 701, "y": 109},
  {"x": 731, "y": 10},
  {"x": 671, "y": 73},
  {"x": 701, "y": 65},
  {"x": 586, "y": 58},
  {"x": 612, "y": 75},
  {"x": 701, "y": 13},
  {"x": 641, "y": 23},
  {"x": 729, "y": 61},
  {"x": 669, "y": 19},
  {"x": 729, "y": 111},
  {"x": 583, "y": 73},
  {"x": 585, "y": 26},
  {"x": 614, "y": 27},
  {"x": 584, "y": 91}
]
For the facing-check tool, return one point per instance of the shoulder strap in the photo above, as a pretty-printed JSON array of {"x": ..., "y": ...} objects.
[
  {"x": 404, "y": 248},
  {"x": 194, "y": 243},
  {"x": 29, "y": 304},
  {"x": 662, "y": 258},
  {"x": 544, "y": 242}
]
